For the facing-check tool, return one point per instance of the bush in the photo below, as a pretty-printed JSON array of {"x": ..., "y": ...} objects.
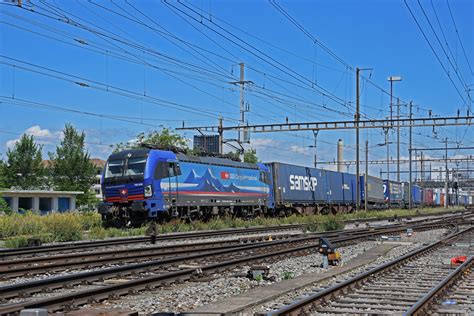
[
  {"x": 97, "y": 233},
  {"x": 90, "y": 219},
  {"x": 63, "y": 227},
  {"x": 4, "y": 207},
  {"x": 331, "y": 223},
  {"x": 16, "y": 242}
]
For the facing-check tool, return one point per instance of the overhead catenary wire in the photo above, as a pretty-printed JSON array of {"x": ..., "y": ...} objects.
[
  {"x": 434, "y": 51},
  {"x": 267, "y": 92},
  {"x": 458, "y": 36},
  {"x": 167, "y": 72},
  {"x": 458, "y": 73},
  {"x": 232, "y": 38},
  {"x": 93, "y": 84}
]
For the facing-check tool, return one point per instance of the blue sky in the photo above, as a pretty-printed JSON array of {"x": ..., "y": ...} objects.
[{"x": 154, "y": 63}]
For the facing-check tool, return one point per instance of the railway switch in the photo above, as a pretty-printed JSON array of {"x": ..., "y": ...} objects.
[{"x": 330, "y": 255}]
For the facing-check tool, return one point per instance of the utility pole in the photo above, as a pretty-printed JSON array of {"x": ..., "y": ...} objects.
[
  {"x": 410, "y": 203},
  {"x": 392, "y": 79},
  {"x": 366, "y": 173},
  {"x": 398, "y": 142},
  {"x": 422, "y": 174},
  {"x": 446, "y": 194},
  {"x": 357, "y": 143},
  {"x": 242, "y": 101},
  {"x": 220, "y": 130},
  {"x": 388, "y": 153},
  {"x": 315, "y": 134}
]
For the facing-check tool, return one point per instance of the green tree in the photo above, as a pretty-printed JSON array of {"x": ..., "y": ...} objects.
[
  {"x": 71, "y": 168},
  {"x": 164, "y": 138},
  {"x": 3, "y": 175},
  {"x": 24, "y": 169},
  {"x": 250, "y": 156},
  {"x": 4, "y": 207}
]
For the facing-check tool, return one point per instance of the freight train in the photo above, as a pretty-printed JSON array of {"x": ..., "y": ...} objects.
[{"x": 150, "y": 184}]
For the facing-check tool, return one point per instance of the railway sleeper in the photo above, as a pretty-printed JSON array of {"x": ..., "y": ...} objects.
[{"x": 364, "y": 306}]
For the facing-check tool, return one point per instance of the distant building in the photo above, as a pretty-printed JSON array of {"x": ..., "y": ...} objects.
[
  {"x": 206, "y": 143},
  {"x": 99, "y": 168},
  {"x": 40, "y": 200}
]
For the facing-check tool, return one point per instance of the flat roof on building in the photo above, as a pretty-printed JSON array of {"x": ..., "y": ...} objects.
[{"x": 41, "y": 192}]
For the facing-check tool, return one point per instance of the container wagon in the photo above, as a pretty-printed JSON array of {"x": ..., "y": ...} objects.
[
  {"x": 416, "y": 194},
  {"x": 340, "y": 191},
  {"x": 393, "y": 193},
  {"x": 375, "y": 195},
  {"x": 437, "y": 197},
  {"x": 428, "y": 197},
  {"x": 300, "y": 189},
  {"x": 307, "y": 190}
]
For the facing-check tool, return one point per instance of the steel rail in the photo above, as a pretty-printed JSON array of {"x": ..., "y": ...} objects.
[
  {"x": 301, "y": 306},
  {"x": 174, "y": 236},
  {"x": 422, "y": 306},
  {"x": 58, "y": 282},
  {"x": 76, "y": 246},
  {"x": 30, "y": 266},
  {"x": 68, "y": 301},
  {"x": 34, "y": 265},
  {"x": 10, "y": 291}
]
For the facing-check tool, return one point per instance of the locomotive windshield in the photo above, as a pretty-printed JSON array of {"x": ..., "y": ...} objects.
[
  {"x": 135, "y": 165},
  {"x": 114, "y": 168},
  {"x": 125, "y": 167}
]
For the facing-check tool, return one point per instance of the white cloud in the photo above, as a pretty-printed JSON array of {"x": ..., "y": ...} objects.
[
  {"x": 43, "y": 136},
  {"x": 298, "y": 149},
  {"x": 261, "y": 142}
]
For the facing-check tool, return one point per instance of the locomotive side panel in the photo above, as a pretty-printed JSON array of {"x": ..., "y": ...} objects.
[{"x": 209, "y": 185}]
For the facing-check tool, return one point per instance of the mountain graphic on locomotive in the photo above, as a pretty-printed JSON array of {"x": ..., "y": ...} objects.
[{"x": 140, "y": 185}]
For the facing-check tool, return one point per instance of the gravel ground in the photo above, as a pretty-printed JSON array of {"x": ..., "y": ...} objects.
[
  {"x": 187, "y": 296},
  {"x": 417, "y": 240}
]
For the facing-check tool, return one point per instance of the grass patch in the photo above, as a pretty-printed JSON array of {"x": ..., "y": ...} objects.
[
  {"x": 16, "y": 242},
  {"x": 51, "y": 227},
  {"x": 331, "y": 222}
]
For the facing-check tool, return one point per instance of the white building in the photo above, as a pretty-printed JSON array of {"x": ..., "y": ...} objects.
[
  {"x": 40, "y": 200},
  {"x": 99, "y": 167}
]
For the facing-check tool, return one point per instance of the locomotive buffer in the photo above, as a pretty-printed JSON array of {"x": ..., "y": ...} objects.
[{"x": 330, "y": 255}]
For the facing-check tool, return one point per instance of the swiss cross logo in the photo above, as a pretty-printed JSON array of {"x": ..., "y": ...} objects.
[
  {"x": 124, "y": 192},
  {"x": 225, "y": 175}
]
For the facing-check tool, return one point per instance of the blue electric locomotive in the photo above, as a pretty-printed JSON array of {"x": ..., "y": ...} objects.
[{"x": 147, "y": 183}]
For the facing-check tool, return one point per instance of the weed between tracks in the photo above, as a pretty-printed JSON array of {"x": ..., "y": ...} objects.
[{"x": 16, "y": 229}]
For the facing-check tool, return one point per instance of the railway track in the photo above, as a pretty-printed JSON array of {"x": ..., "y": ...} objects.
[
  {"x": 454, "y": 295},
  {"x": 83, "y": 246},
  {"x": 37, "y": 265},
  {"x": 154, "y": 273},
  {"x": 27, "y": 267},
  {"x": 392, "y": 288}
]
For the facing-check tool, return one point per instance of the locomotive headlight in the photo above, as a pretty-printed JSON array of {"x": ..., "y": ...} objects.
[{"x": 148, "y": 191}]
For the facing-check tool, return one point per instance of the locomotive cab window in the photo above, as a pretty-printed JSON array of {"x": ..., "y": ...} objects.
[
  {"x": 264, "y": 177},
  {"x": 167, "y": 169}
]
